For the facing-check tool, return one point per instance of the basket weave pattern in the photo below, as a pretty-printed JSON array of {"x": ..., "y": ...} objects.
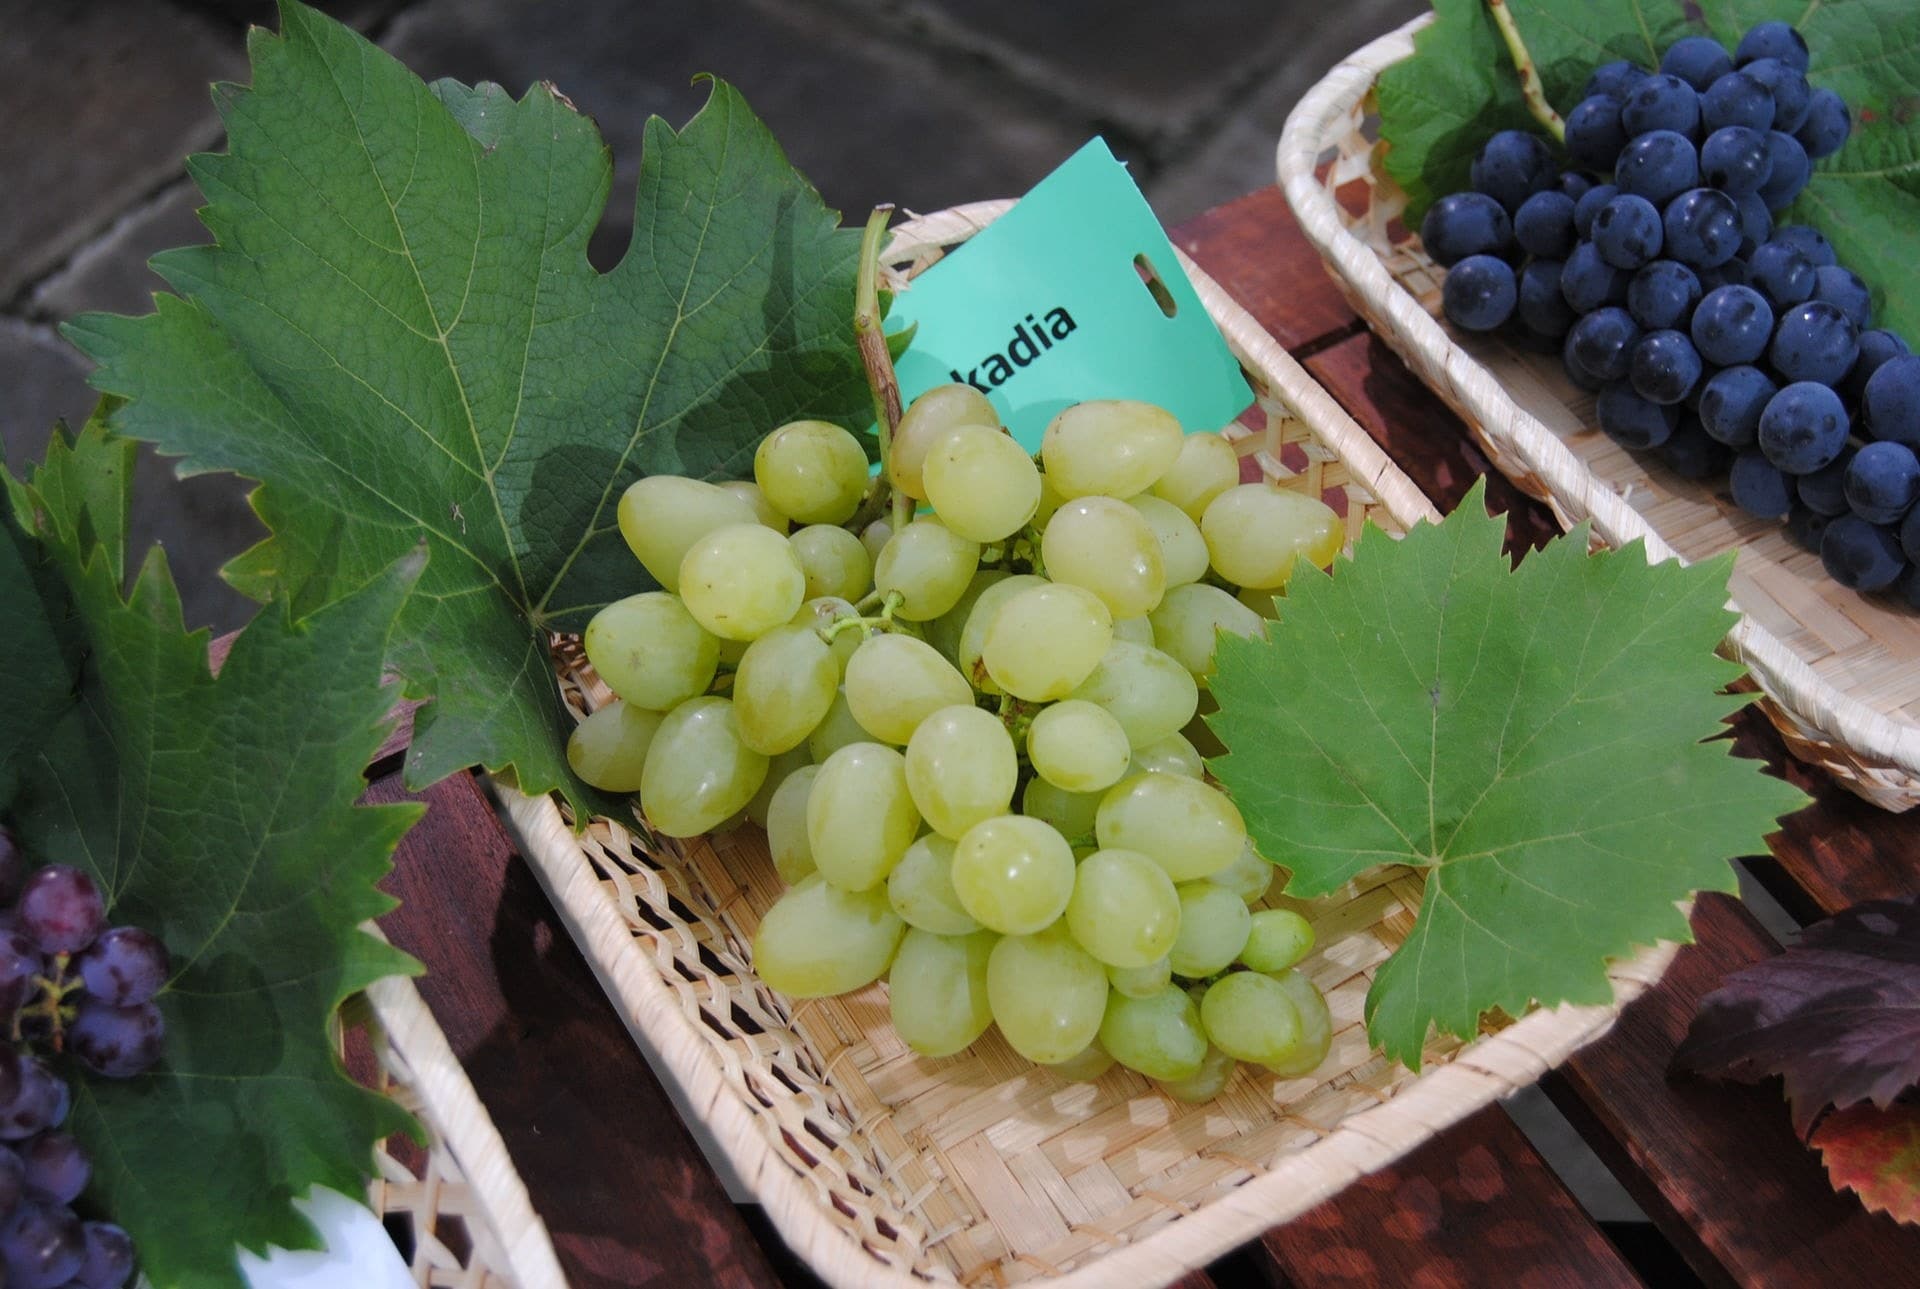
[
  {"x": 1838, "y": 671},
  {"x": 880, "y": 1166}
]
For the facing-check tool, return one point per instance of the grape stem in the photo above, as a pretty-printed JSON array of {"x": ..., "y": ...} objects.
[
  {"x": 881, "y": 380},
  {"x": 1530, "y": 87}
]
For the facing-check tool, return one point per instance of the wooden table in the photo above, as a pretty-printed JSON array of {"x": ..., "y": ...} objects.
[{"x": 630, "y": 1200}]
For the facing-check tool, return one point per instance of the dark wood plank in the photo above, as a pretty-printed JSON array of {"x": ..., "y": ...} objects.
[
  {"x": 624, "y": 1190},
  {"x": 1255, "y": 250}
]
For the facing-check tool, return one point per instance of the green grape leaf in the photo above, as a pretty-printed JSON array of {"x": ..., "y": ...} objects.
[
  {"x": 219, "y": 814},
  {"x": 1437, "y": 107},
  {"x": 398, "y": 331},
  {"x": 1532, "y": 737}
]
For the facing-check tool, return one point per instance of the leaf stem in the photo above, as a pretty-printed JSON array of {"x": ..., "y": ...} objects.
[
  {"x": 1530, "y": 87},
  {"x": 872, "y": 339}
]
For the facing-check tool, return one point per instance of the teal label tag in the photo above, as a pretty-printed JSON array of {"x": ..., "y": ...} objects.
[{"x": 1074, "y": 294}]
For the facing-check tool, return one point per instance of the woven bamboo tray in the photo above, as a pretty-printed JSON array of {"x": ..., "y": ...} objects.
[
  {"x": 1839, "y": 673},
  {"x": 884, "y": 1168}
]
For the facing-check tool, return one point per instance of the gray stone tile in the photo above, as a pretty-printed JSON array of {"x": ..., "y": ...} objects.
[{"x": 110, "y": 273}]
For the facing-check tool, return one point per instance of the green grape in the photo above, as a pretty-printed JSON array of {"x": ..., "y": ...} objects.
[
  {"x": 875, "y": 536},
  {"x": 1316, "y": 1027},
  {"x": 1183, "y": 551},
  {"x": 1252, "y": 1017},
  {"x": 1138, "y": 982},
  {"x": 929, "y": 565},
  {"x": 982, "y": 484},
  {"x": 1187, "y": 827},
  {"x": 1170, "y": 755},
  {"x": 920, "y": 888},
  {"x": 837, "y": 729},
  {"x": 1013, "y": 874},
  {"x": 1109, "y": 548},
  {"x": 1276, "y": 940},
  {"x": 763, "y": 511},
  {"x": 1186, "y": 623},
  {"x": 650, "y": 651},
  {"x": 927, "y": 418},
  {"x": 860, "y": 816},
  {"x": 973, "y": 632},
  {"x": 1084, "y": 1066},
  {"x": 938, "y": 990},
  {"x": 1077, "y": 746},
  {"x": 812, "y": 472},
  {"x": 779, "y": 769},
  {"x": 962, "y": 768},
  {"x": 818, "y": 940},
  {"x": 1213, "y": 929},
  {"x": 1148, "y": 692},
  {"x": 832, "y": 561},
  {"x": 1124, "y": 910},
  {"x": 943, "y": 633},
  {"x": 1206, "y": 466},
  {"x": 742, "y": 581},
  {"x": 1263, "y": 603},
  {"x": 1137, "y": 630},
  {"x": 1071, "y": 813},
  {"x": 1050, "y": 501},
  {"x": 609, "y": 748},
  {"x": 1249, "y": 875},
  {"x": 786, "y": 683},
  {"x": 1158, "y": 1035},
  {"x": 663, "y": 515},
  {"x": 1110, "y": 447},
  {"x": 1206, "y": 1083},
  {"x": 731, "y": 652},
  {"x": 822, "y": 612},
  {"x": 698, "y": 771},
  {"x": 787, "y": 826},
  {"x": 894, "y": 682},
  {"x": 1256, "y": 531},
  {"x": 1044, "y": 640},
  {"x": 1048, "y": 995}
]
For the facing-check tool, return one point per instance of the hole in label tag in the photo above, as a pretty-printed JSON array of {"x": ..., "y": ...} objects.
[{"x": 1155, "y": 287}]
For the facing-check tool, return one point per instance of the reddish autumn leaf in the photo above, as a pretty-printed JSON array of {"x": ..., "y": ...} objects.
[
  {"x": 1838, "y": 1015},
  {"x": 1876, "y": 1154}
]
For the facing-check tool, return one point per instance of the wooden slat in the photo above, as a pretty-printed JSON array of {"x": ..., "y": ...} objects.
[{"x": 1254, "y": 249}]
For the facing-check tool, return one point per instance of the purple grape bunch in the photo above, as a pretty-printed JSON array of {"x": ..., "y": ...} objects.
[
  {"x": 68, "y": 983},
  {"x": 1722, "y": 343}
]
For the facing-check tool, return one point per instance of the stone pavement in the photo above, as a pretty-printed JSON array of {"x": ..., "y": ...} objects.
[{"x": 920, "y": 102}]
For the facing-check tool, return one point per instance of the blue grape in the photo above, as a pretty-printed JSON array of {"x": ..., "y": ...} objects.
[
  {"x": 56, "y": 1167},
  {"x": 60, "y": 909},
  {"x": 1803, "y": 427},
  {"x": 1588, "y": 204},
  {"x": 1788, "y": 170},
  {"x": 1512, "y": 166},
  {"x": 1807, "y": 526},
  {"x": 1541, "y": 307},
  {"x": 1809, "y": 241},
  {"x": 1732, "y": 273},
  {"x": 117, "y": 1042},
  {"x": 1827, "y": 125},
  {"x": 1876, "y": 347},
  {"x": 1758, "y": 486},
  {"x": 44, "y": 1245},
  {"x": 1910, "y": 535},
  {"x": 40, "y": 1101},
  {"x": 1815, "y": 341},
  {"x": 20, "y": 962},
  {"x": 1627, "y": 232},
  {"x": 1603, "y": 341},
  {"x": 1632, "y": 421},
  {"x": 1825, "y": 490},
  {"x": 1662, "y": 294},
  {"x": 1907, "y": 587},
  {"x": 1735, "y": 160},
  {"x": 1772, "y": 40},
  {"x": 1575, "y": 372},
  {"x": 126, "y": 965},
  {"x": 1731, "y": 325},
  {"x": 1778, "y": 270},
  {"x": 1690, "y": 454},
  {"x": 1843, "y": 289},
  {"x": 1658, "y": 165},
  {"x": 1661, "y": 102},
  {"x": 1697, "y": 60},
  {"x": 13, "y": 1182},
  {"x": 1543, "y": 225},
  {"x": 1664, "y": 367},
  {"x": 1462, "y": 224},
  {"x": 1736, "y": 99},
  {"x": 109, "y": 1259},
  {"x": 1731, "y": 402},
  {"x": 1479, "y": 293},
  {"x": 1756, "y": 223},
  {"x": 1615, "y": 80},
  {"x": 1702, "y": 228},
  {"x": 1589, "y": 282},
  {"x": 1594, "y": 133},
  {"x": 1891, "y": 401},
  {"x": 1792, "y": 96},
  {"x": 1574, "y": 184},
  {"x": 1883, "y": 482},
  {"x": 1861, "y": 555}
]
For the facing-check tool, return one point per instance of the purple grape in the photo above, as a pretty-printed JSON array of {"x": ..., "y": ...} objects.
[
  {"x": 44, "y": 1245},
  {"x": 13, "y": 1182},
  {"x": 56, "y": 1167},
  {"x": 1860, "y": 555},
  {"x": 40, "y": 1102},
  {"x": 13, "y": 865},
  {"x": 109, "y": 1257},
  {"x": 20, "y": 962},
  {"x": 118, "y": 1042},
  {"x": 126, "y": 965},
  {"x": 61, "y": 909}
]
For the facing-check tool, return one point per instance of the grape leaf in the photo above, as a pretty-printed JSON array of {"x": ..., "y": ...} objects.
[
  {"x": 1531, "y": 736},
  {"x": 1437, "y": 107},
  {"x": 220, "y": 815},
  {"x": 1876, "y": 1154},
  {"x": 398, "y": 331},
  {"x": 1837, "y": 1014}
]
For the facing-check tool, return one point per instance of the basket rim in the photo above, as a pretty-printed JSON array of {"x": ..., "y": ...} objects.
[
  {"x": 1786, "y": 678},
  {"x": 1481, "y": 1072}
]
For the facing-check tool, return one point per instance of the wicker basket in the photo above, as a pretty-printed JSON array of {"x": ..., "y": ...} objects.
[
  {"x": 881, "y": 1167},
  {"x": 1840, "y": 673}
]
